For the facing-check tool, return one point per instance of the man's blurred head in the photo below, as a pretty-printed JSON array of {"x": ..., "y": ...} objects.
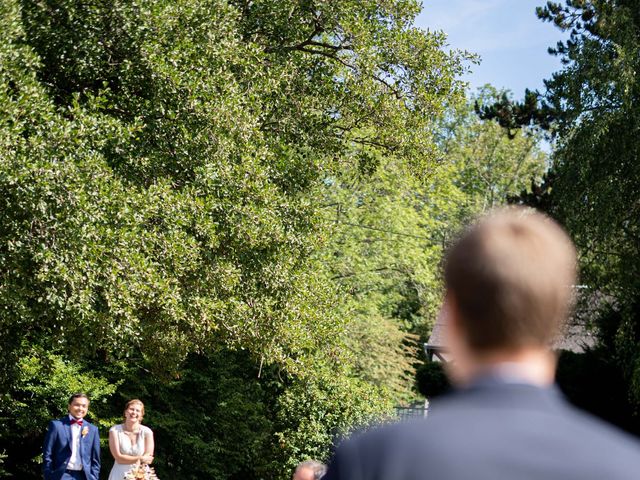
[
  {"x": 509, "y": 285},
  {"x": 309, "y": 470}
]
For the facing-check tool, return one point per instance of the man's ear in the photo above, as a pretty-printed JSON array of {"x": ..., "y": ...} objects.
[
  {"x": 460, "y": 363},
  {"x": 450, "y": 318}
]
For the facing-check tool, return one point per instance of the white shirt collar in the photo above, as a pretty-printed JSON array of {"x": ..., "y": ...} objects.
[
  {"x": 71, "y": 417},
  {"x": 507, "y": 372}
]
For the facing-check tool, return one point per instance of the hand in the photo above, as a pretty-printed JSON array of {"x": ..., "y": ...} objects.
[{"x": 146, "y": 459}]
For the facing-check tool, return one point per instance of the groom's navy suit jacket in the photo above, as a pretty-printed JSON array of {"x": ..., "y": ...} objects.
[
  {"x": 56, "y": 451},
  {"x": 492, "y": 431}
]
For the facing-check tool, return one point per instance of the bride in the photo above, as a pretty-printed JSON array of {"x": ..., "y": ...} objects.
[{"x": 130, "y": 442}]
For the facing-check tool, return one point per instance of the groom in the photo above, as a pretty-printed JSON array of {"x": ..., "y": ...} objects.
[{"x": 71, "y": 448}]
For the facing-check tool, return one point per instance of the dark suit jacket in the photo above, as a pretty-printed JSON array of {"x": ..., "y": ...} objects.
[
  {"x": 56, "y": 450},
  {"x": 492, "y": 431}
]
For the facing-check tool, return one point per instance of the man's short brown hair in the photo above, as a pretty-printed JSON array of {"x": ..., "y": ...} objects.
[
  {"x": 511, "y": 276},
  {"x": 78, "y": 395}
]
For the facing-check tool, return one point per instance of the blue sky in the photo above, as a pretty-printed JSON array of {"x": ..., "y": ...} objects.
[{"x": 509, "y": 38}]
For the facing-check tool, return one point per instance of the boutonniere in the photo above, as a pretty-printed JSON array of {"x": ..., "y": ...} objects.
[{"x": 85, "y": 430}]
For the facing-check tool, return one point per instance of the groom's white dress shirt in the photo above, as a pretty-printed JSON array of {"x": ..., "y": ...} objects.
[{"x": 75, "y": 463}]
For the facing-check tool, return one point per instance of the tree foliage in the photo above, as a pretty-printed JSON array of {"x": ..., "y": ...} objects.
[
  {"x": 162, "y": 170},
  {"x": 491, "y": 163},
  {"x": 232, "y": 210},
  {"x": 597, "y": 174},
  {"x": 593, "y": 187},
  {"x": 162, "y": 173},
  {"x": 389, "y": 231},
  {"x": 383, "y": 258}
]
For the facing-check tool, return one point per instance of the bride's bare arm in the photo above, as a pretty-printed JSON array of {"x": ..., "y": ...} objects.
[{"x": 149, "y": 447}]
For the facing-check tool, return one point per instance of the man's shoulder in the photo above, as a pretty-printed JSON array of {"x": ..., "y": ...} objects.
[
  {"x": 590, "y": 424},
  {"x": 387, "y": 437},
  {"x": 546, "y": 418},
  {"x": 58, "y": 422},
  {"x": 55, "y": 427},
  {"x": 445, "y": 442},
  {"x": 507, "y": 419}
]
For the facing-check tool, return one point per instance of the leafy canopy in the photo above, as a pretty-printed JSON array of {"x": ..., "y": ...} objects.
[{"x": 161, "y": 164}]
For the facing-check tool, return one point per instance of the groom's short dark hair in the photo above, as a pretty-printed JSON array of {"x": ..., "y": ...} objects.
[{"x": 78, "y": 395}]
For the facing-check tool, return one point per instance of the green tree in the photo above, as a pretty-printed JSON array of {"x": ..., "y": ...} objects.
[
  {"x": 491, "y": 164},
  {"x": 382, "y": 257},
  {"x": 160, "y": 164},
  {"x": 389, "y": 230},
  {"x": 169, "y": 204},
  {"x": 591, "y": 110},
  {"x": 597, "y": 176}
]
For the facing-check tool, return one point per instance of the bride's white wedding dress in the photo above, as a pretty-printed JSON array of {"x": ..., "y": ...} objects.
[{"x": 127, "y": 448}]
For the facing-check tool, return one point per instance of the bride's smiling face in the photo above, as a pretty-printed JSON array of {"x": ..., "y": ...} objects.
[{"x": 134, "y": 412}]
